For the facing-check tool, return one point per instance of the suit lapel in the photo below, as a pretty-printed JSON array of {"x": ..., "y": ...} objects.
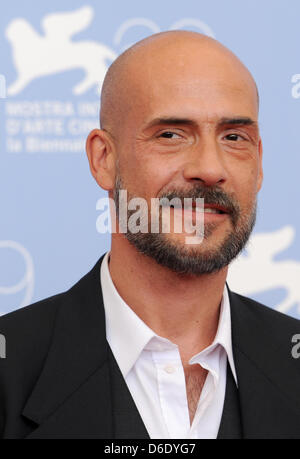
[
  {"x": 81, "y": 392},
  {"x": 268, "y": 378},
  {"x": 231, "y": 425},
  {"x": 85, "y": 414},
  {"x": 72, "y": 397},
  {"x": 127, "y": 422}
]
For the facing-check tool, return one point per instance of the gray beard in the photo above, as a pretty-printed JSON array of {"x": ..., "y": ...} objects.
[{"x": 189, "y": 261}]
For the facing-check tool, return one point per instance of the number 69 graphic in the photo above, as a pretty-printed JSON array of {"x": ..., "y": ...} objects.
[{"x": 27, "y": 282}]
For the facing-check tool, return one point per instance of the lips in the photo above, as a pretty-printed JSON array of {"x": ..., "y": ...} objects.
[
  {"x": 208, "y": 208},
  {"x": 216, "y": 202},
  {"x": 212, "y": 208}
]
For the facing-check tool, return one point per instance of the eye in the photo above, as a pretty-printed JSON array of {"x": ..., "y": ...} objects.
[
  {"x": 234, "y": 137},
  {"x": 169, "y": 135}
]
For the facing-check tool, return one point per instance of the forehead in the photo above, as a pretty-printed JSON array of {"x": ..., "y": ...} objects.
[
  {"x": 203, "y": 101},
  {"x": 199, "y": 80},
  {"x": 205, "y": 91}
]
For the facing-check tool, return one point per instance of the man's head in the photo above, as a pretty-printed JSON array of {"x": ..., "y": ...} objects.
[{"x": 179, "y": 116}]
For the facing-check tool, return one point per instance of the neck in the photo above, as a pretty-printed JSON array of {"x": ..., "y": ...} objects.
[{"x": 182, "y": 308}]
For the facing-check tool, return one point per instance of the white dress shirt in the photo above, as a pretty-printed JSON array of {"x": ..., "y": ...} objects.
[{"x": 153, "y": 371}]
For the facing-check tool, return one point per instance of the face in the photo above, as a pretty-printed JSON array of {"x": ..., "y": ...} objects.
[{"x": 193, "y": 132}]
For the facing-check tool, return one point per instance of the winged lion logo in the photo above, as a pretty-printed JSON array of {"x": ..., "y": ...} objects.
[{"x": 36, "y": 55}]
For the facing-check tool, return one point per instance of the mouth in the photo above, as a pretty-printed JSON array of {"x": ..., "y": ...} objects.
[
  {"x": 208, "y": 208},
  {"x": 212, "y": 213},
  {"x": 213, "y": 209}
]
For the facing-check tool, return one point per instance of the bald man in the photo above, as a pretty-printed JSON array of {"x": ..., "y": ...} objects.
[{"x": 152, "y": 343}]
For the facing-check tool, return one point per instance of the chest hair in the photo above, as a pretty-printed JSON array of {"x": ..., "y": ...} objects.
[{"x": 195, "y": 377}]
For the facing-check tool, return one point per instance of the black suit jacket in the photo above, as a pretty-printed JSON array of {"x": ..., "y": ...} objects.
[{"x": 58, "y": 379}]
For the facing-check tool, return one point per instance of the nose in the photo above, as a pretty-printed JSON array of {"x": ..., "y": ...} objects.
[{"x": 205, "y": 163}]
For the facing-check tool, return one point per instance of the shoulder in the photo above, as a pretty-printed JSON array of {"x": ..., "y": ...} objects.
[
  {"x": 29, "y": 330},
  {"x": 27, "y": 334},
  {"x": 257, "y": 328},
  {"x": 18, "y": 320},
  {"x": 264, "y": 314},
  {"x": 55, "y": 338}
]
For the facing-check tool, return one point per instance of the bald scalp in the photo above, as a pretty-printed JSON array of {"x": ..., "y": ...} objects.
[{"x": 119, "y": 90}]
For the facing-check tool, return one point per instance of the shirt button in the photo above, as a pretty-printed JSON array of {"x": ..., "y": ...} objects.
[{"x": 169, "y": 369}]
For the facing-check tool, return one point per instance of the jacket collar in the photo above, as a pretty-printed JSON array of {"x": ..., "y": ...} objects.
[
  {"x": 268, "y": 376},
  {"x": 72, "y": 394},
  {"x": 72, "y": 397}
]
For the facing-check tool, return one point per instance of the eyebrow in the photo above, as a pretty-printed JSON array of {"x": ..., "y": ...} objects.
[
  {"x": 240, "y": 121},
  {"x": 171, "y": 120},
  {"x": 236, "y": 121}
]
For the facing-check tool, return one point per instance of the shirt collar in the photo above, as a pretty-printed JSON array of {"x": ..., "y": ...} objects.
[
  {"x": 128, "y": 335},
  {"x": 223, "y": 336}
]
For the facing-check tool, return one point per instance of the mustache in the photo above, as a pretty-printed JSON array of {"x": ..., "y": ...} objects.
[{"x": 211, "y": 195}]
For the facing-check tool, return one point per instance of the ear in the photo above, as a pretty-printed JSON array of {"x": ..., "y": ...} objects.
[
  {"x": 260, "y": 171},
  {"x": 102, "y": 158}
]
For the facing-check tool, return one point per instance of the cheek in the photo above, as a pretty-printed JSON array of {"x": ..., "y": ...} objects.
[
  {"x": 155, "y": 177},
  {"x": 247, "y": 191},
  {"x": 245, "y": 183},
  {"x": 145, "y": 174}
]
